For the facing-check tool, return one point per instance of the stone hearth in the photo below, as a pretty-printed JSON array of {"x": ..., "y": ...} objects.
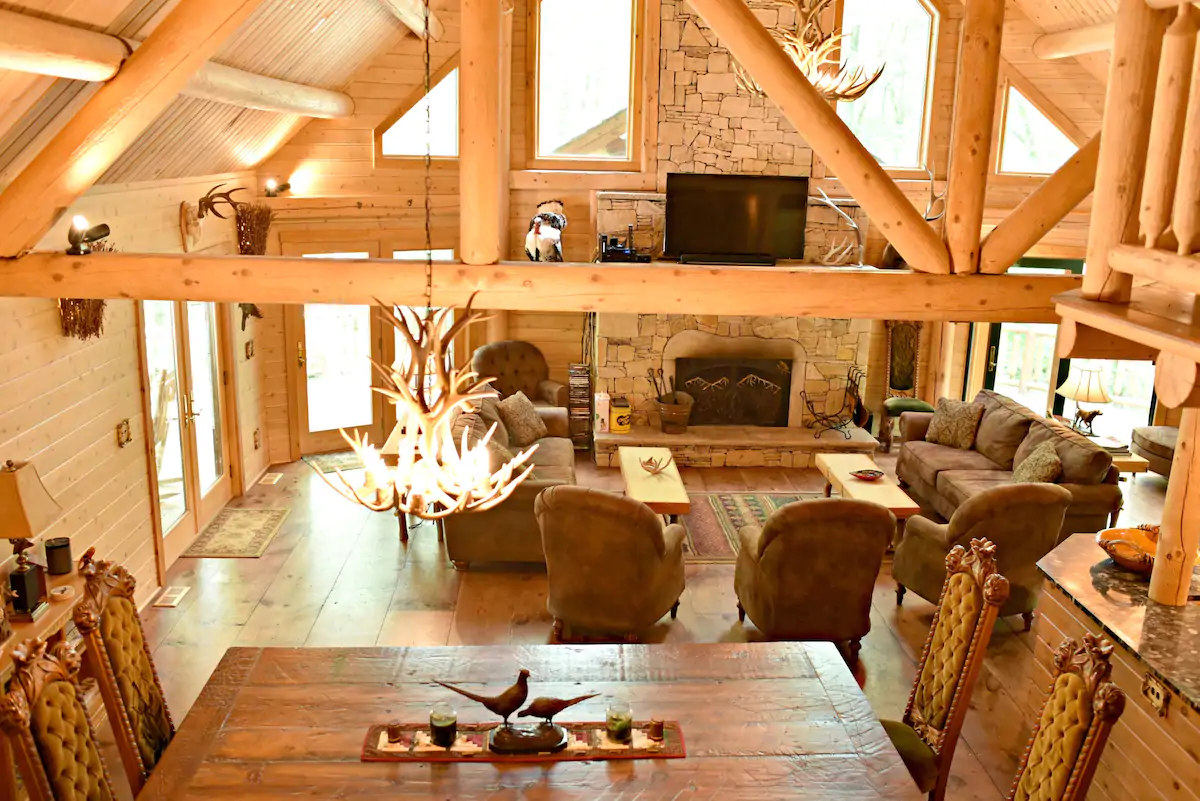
[{"x": 737, "y": 446}]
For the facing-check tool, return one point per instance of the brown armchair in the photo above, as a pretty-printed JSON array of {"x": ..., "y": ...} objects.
[
  {"x": 613, "y": 568},
  {"x": 519, "y": 367},
  {"x": 808, "y": 574},
  {"x": 1023, "y": 520}
]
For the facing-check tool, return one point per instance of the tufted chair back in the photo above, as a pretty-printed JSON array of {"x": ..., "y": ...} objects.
[
  {"x": 972, "y": 595},
  {"x": 44, "y": 718},
  {"x": 118, "y": 656},
  {"x": 518, "y": 367},
  {"x": 1080, "y": 711}
]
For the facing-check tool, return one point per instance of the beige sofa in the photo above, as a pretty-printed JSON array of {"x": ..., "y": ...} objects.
[
  {"x": 509, "y": 531},
  {"x": 942, "y": 478}
]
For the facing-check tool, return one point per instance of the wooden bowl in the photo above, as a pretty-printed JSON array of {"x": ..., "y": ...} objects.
[
  {"x": 1131, "y": 548},
  {"x": 868, "y": 475}
]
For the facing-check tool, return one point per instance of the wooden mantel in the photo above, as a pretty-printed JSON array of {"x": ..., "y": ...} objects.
[{"x": 656, "y": 288}]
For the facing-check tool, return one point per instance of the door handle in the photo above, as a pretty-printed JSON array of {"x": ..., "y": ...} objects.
[
  {"x": 300, "y": 354},
  {"x": 992, "y": 359},
  {"x": 190, "y": 414}
]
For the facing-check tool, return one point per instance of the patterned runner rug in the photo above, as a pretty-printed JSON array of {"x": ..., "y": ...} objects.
[
  {"x": 238, "y": 533},
  {"x": 712, "y": 525}
]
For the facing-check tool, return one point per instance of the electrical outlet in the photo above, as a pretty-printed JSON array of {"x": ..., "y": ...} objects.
[
  {"x": 1155, "y": 693},
  {"x": 257, "y": 438},
  {"x": 249, "y": 348},
  {"x": 124, "y": 435}
]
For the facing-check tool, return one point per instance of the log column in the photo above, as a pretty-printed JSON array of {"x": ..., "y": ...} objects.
[
  {"x": 481, "y": 156},
  {"x": 1180, "y": 533},
  {"x": 971, "y": 136}
]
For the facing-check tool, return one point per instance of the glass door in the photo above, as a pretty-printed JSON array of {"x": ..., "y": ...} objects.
[
  {"x": 163, "y": 355},
  {"x": 1020, "y": 361},
  {"x": 204, "y": 414}
]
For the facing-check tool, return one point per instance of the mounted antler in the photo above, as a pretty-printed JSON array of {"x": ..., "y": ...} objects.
[
  {"x": 816, "y": 53},
  {"x": 838, "y": 251},
  {"x": 209, "y": 202}
]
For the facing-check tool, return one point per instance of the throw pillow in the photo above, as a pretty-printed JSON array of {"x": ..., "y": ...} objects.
[
  {"x": 1042, "y": 466},
  {"x": 954, "y": 423},
  {"x": 521, "y": 419}
]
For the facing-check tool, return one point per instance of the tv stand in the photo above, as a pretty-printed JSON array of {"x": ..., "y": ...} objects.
[{"x": 753, "y": 259}]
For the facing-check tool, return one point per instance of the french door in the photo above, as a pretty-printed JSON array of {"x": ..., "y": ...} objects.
[{"x": 183, "y": 344}]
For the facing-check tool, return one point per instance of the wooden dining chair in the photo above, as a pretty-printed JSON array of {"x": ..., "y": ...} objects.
[
  {"x": 44, "y": 718},
  {"x": 972, "y": 595},
  {"x": 1080, "y": 711},
  {"x": 118, "y": 656}
]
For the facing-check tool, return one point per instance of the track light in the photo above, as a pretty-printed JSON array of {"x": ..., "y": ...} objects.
[
  {"x": 274, "y": 188},
  {"x": 80, "y": 236}
]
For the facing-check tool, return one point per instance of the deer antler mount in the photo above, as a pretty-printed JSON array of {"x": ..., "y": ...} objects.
[{"x": 209, "y": 202}]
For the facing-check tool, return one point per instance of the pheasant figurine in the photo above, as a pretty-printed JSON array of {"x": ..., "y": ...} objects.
[
  {"x": 504, "y": 704},
  {"x": 547, "y": 708},
  {"x": 544, "y": 240}
]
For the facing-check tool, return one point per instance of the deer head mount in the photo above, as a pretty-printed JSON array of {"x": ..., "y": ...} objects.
[
  {"x": 208, "y": 203},
  {"x": 816, "y": 53}
]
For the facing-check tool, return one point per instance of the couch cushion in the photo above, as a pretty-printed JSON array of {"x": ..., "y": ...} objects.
[
  {"x": 554, "y": 452},
  {"x": 1084, "y": 462},
  {"x": 1004, "y": 426},
  {"x": 958, "y": 485},
  {"x": 1159, "y": 440},
  {"x": 896, "y": 406},
  {"x": 954, "y": 423},
  {"x": 560, "y": 474},
  {"x": 521, "y": 419},
  {"x": 489, "y": 412},
  {"x": 927, "y": 459},
  {"x": 1041, "y": 466}
]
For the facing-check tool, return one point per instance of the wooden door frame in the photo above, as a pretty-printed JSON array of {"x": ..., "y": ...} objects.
[
  {"x": 160, "y": 559},
  {"x": 204, "y": 511}
]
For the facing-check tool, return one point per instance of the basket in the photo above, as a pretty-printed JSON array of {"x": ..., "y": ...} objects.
[{"x": 674, "y": 413}]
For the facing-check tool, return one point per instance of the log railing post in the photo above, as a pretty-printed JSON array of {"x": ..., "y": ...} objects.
[
  {"x": 1179, "y": 536},
  {"x": 482, "y": 177}
]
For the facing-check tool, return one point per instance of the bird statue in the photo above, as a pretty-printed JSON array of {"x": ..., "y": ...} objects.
[
  {"x": 547, "y": 708},
  {"x": 503, "y": 704},
  {"x": 544, "y": 240}
]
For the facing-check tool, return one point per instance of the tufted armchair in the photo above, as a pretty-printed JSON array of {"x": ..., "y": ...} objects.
[
  {"x": 45, "y": 721},
  {"x": 809, "y": 572},
  {"x": 1081, "y": 708},
  {"x": 1023, "y": 520},
  {"x": 117, "y": 654},
  {"x": 519, "y": 367},
  {"x": 613, "y": 568},
  {"x": 972, "y": 594}
]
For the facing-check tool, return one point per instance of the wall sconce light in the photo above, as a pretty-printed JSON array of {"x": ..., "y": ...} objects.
[
  {"x": 80, "y": 236},
  {"x": 274, "y": 188}
]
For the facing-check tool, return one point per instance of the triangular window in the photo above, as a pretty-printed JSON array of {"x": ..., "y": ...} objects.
[
  {"x": 407, "y": 135},
  {"x": 1031, "y": 143}
]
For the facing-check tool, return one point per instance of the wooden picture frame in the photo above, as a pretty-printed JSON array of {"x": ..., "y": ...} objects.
[{"x": 903, "y": 364}]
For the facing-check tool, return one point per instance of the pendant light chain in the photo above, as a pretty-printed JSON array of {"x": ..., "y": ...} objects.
[{"x": 428, "y": 174}]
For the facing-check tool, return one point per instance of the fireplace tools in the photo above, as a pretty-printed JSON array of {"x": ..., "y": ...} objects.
[{"x": 843, "y": 418}]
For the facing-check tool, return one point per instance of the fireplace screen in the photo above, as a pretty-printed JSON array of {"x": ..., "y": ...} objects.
[{"x": 747, "y": 392}]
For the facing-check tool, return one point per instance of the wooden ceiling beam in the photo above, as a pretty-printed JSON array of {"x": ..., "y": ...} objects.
[
  {"x": 815, "y": 119},
  {"x": 564, "y": 286},
  {"x": 114, "y": 117},
  {"x": 412, "y": 14},
  {"x": 1078, "y": 341},
  {"x": 1075, "y": 41}
]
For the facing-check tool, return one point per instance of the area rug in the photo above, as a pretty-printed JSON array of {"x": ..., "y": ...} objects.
[
  {"x": 332, "y": 462},
  {"x": 238, "y": 533},
  {"x": 712, "y": 525}
]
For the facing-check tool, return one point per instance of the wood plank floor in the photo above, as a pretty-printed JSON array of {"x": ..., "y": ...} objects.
[{"x": 337, "y": 575}]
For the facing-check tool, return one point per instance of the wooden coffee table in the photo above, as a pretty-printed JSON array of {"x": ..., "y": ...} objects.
[
  {"x": 837, "y": 467},
  {"x": 663, "y": 492}
]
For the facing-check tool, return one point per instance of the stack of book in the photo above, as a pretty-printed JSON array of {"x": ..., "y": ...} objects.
[
  {"x": 1113, "y": 446},
  {"x": 579, "y": 405}
]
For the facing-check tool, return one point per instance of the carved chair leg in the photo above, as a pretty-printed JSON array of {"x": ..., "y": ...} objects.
[
  {"x": 741, "y": 613},
  {"x": 900, "y": 590},
  {"x": 1028, "y": 618},
  {"x": 855, "y": 646},
  {"x": 675, "y": 610},
  {"x": 885, "y": 433}
]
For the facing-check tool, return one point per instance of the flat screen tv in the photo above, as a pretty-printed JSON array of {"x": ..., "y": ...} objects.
[{"x": 735, "y": 218}]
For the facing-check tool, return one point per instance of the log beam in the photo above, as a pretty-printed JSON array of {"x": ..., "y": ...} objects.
[
  {"x": 1078, "y": 341},
  {"x": 118, "y": 113},
  {"x": 412, "y": 14},
  {"x": 45, "y": 47},
  {"x": 664, "y": 288},
  {"x": 1075, "y": 41},
  {"x": 971, "y": 134},
  {"x": 483, "y": 172},
  {"x": 1179, "y": 537},
  {"x": 1041, "y": 210},
  {"x": 240, "y": 88},
  {"x": 1177, "y": 381},
  {"x": 815, "y": 119},
  {"x": 1171, "y": 269}
]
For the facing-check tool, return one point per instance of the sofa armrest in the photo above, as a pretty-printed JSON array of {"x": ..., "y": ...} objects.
[
  {"x": 1086, "y": 498},
  {"x": 913, "y": 425},
  {"x": 749, "y": 538},
  {"x": 924, "y": 528},
  {"x": 673, "y": 538},
  {"x": 552, "y": 392},
  {"x": 555, "y": 418}
]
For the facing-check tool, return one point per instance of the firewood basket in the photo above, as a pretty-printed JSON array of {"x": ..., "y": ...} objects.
[{"x": 674, "y": 411}]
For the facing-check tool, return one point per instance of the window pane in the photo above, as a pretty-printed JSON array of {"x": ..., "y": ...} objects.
[
  {"x": 1131, "y": 387},
  {"x": 890, "y": 117},
  {"x": 206, "y": 398},
  {"x": 407, "y": 136},
  {"x": 1031, "y": 143},
  {"x": 1023, "y": 361},
  {"x": 163, "y": 372},
  {"x": 584, "y": 72}
]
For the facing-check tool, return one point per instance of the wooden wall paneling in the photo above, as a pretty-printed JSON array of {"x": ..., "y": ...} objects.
[
  {"x": 276, "y": 398},
  {"x": 558, "y": 335}
]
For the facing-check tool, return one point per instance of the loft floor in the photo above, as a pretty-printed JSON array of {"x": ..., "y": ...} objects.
[{"x": 337, "y": 575}]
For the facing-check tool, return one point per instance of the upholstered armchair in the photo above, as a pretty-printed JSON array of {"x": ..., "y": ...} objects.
[
  {"x": 971, "y": 596},
  {"x": 613, "y": 568},
  {"x": 809, "y": 572},
  {"x": 519, "y": 367},
  {"x": 119, "y": 658},
  {"x": 1023, "y": 520},
  {"x": 45, "y": 721}
]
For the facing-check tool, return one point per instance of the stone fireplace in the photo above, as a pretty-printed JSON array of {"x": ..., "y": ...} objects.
[{"x": 733, "y": 391}]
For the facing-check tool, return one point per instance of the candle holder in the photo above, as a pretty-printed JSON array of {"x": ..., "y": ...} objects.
[
  {"x": 619, "y": 722},
  {"x": 443, "y": 725},
  {"x": 395, "y": 731}
]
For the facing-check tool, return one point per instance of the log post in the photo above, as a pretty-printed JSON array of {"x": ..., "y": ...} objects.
[
  {"x": 971, "y": 135},
  {"x": 1043, "y": 209},
  {"x": 1176, "y": 380},
  {"x": 1124, "y": 136},
  {"x": 1167, "y": 124},
  {"x": 482, "y": 176},
  {"x": 1185, "y": 218},
  {"x": 1179, "y": 536},
  {"x": 814, "y": 118}
]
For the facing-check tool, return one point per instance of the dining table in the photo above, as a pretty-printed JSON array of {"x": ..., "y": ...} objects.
[{"x": 775, "y": 720}]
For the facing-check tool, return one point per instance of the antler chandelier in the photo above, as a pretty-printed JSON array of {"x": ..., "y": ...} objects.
[{"x": 815, "y": 52}]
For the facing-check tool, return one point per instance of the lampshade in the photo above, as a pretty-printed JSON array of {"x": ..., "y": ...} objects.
[
  {"x": 26, "y": 508},
  {"x": 1083, "y": 384}
]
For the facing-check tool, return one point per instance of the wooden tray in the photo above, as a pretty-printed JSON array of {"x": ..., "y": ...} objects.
[{"x": 588, "y": 742}]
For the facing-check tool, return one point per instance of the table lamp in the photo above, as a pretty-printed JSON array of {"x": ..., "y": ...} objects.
[
  {"x": 1083, "y": 385},
  {"x": 26, "y": 508}
]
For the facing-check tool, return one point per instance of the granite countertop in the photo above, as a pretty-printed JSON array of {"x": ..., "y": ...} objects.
[{"x": 1165, "y": 638}]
